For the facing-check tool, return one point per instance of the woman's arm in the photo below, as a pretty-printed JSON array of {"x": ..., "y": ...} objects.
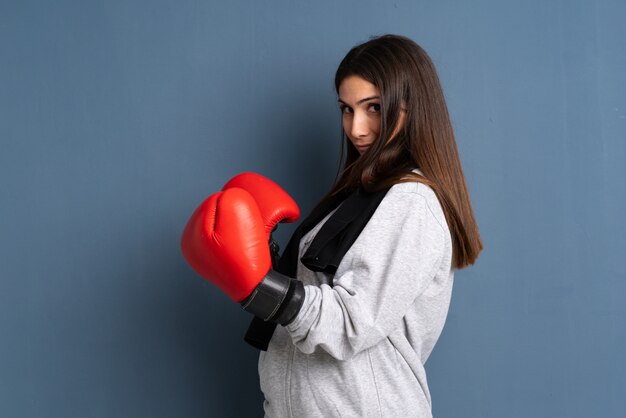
[{"x": 390, "y": 264}]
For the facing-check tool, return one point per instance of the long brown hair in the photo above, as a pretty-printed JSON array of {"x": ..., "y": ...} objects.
[{"x": 406, "y": 78}]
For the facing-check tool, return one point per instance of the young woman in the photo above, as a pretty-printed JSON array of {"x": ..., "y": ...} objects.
[{"x": 362, "y": 290}]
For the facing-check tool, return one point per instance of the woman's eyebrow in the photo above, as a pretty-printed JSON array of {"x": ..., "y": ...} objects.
[{"x": 362, "y": 100}]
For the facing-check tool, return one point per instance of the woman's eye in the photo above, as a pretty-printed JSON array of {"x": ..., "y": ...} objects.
[
  {"x": 345, "y": 109},
  {"x": 375, "y": 106}
]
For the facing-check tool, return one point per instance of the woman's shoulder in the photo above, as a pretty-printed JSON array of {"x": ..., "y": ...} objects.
[
  {"x": 415, "y": 190},
  {"x": 416, "y": 187}
]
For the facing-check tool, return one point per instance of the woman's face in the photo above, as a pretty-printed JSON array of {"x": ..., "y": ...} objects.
[{"x": 359, "y": 101}]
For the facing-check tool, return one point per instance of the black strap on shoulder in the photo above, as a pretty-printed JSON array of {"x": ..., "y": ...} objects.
[
  {"x": 340, "y": 231},
  {"x": 327, "y": 249}
]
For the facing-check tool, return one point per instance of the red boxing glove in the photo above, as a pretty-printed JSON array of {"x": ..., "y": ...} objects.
[
  {"x": 275, "y": 203},
  {"x": 225, "y": 242}
]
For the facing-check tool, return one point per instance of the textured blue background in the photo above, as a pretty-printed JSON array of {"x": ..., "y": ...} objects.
[{"x": 117, "y": 118}]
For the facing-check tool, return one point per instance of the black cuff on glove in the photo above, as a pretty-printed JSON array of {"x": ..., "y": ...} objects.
[{"x": 276, "y": 298}]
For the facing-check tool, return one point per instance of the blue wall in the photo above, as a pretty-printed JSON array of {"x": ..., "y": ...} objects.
[{"x": 117, "y": 118}]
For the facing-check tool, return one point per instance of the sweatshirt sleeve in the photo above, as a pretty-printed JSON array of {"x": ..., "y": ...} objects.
[{"x": 391, "y": 263}]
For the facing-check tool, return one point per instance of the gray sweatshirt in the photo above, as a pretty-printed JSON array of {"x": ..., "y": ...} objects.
[{"x": 357, "y": 347}]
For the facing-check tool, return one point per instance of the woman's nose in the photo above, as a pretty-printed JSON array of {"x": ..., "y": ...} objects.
[{"x": 359, "y": 126}]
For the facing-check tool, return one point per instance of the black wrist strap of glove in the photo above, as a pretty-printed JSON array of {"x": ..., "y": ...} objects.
[{"x": 277, "y": 298}]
